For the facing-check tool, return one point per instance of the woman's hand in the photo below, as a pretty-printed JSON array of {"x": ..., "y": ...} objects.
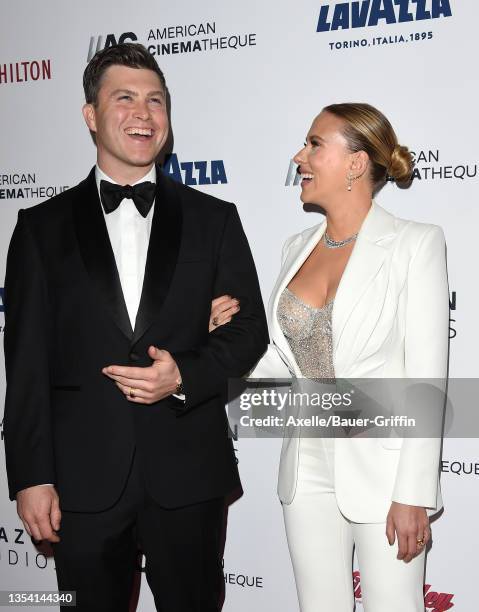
[
  {"x": 411, "y": 524},
  {"x": 223, "y": 309}
]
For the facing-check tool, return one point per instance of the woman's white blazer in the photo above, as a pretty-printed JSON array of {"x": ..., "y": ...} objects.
[{"x": 390, "y": 320}]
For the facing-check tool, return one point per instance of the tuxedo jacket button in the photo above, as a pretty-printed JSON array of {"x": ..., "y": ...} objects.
[{"x": 134, "y": 356}]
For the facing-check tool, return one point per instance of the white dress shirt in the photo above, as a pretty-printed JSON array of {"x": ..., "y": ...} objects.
[{"x": 129, "y": 234}]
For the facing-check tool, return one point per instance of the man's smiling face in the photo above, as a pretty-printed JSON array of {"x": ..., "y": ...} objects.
[{"x": 129, "y": 120}]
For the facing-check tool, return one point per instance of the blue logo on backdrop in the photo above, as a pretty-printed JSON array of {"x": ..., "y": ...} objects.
[
  {"x": 196, "y": 172},
  {"x": 100, "y": 42},
  {"x": 2, "y": 307},
  {"x": 369, "y": 13}
]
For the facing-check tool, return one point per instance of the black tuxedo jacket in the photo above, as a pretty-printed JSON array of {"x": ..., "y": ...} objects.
[{"x": 65, "y": 422}]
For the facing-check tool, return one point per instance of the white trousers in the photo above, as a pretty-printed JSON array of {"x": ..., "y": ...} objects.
[{"x": 321, "y": 542}]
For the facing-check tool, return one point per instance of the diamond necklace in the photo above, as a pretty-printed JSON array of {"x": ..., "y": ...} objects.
[{"x": 337, "y": 244}]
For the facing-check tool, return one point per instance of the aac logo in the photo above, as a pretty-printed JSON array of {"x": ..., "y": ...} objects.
[
  {"x": 2, "y": 307},
  {"x": 96, "y": 42}
]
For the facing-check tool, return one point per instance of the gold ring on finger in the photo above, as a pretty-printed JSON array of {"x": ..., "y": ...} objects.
[
  {"x": 420, "y": 542},
  {"x": 131, "y": 393},
  {"x": 215, "y": 321}
]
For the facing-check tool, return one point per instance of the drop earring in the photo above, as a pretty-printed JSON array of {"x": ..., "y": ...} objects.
[{"x": 350, "y": 180}]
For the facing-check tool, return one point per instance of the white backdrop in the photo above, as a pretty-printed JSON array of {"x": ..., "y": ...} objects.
[{"x": 246, "y": 79}]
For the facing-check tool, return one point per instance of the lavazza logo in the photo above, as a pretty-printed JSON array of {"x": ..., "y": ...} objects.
[
  {"x": 344, "y": 16},
  {"x": 178, "y": 39},
  {"x": 195, "y": 172}
]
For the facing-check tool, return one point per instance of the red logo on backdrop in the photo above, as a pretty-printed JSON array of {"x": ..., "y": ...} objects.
[
  {"x": 357, "y": 584},
  {"x": 433, "y": 601},
  {"x": 20, "y": 72},
  {"x": 437, "y": 602}
]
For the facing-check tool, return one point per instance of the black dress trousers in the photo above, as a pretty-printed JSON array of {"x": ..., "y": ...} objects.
[{"x": 97, "y": 554}]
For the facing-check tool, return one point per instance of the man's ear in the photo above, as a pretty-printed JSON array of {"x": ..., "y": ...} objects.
[{"x": 89, "y": 115}]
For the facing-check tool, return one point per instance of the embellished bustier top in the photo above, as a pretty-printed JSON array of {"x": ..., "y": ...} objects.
[{"x": 309, "y": 333}]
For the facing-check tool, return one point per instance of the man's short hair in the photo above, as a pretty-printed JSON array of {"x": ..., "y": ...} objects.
[{"x": 133, "y": 55}]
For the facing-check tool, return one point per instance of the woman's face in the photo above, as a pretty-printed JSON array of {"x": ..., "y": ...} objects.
[{"x": 324, "y": 161}]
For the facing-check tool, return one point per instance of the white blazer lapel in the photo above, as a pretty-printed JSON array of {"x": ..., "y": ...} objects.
[
  {"x": 297, "y": 254},
  {"x": 364, "y": 265}
]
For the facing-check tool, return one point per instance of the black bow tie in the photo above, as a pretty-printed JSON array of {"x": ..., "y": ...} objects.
[{"x": 142, "y": 195}]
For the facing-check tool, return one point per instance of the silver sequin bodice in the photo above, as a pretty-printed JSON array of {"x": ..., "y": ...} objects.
[{"x": 309, "y": 333}]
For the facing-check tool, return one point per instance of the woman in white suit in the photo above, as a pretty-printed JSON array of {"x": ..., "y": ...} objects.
[{"x": 362, "y": 295}]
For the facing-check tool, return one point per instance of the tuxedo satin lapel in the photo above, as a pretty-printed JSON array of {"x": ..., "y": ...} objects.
[
  {"x": 165, "y": 239},
  {"x": 96, "y": 252},
  {"x": 297, "y": 255},
  {"x": 365, "y": 263}
]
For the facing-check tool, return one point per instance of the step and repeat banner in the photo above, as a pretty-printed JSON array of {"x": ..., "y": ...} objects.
[{"x": 246, "y": 79}]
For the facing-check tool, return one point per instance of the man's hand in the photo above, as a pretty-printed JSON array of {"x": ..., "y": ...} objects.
[
  {"x": 147, "y": 385},
  {"x": 411, "y": 524},
  {"x": 39, "y": 509},
  {"x": 223, "y": 309}
]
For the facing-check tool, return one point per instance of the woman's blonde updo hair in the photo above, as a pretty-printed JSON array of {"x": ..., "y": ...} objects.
[{"x": 367, "y": 129}]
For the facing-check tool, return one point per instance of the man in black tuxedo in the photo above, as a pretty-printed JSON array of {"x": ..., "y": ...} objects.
[{"x": 115, "y": 429}]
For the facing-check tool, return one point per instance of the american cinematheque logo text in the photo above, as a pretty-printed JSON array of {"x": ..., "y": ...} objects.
[
  {"x": 24, "y": 185},
  {"x": 178, "y": 39}
]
